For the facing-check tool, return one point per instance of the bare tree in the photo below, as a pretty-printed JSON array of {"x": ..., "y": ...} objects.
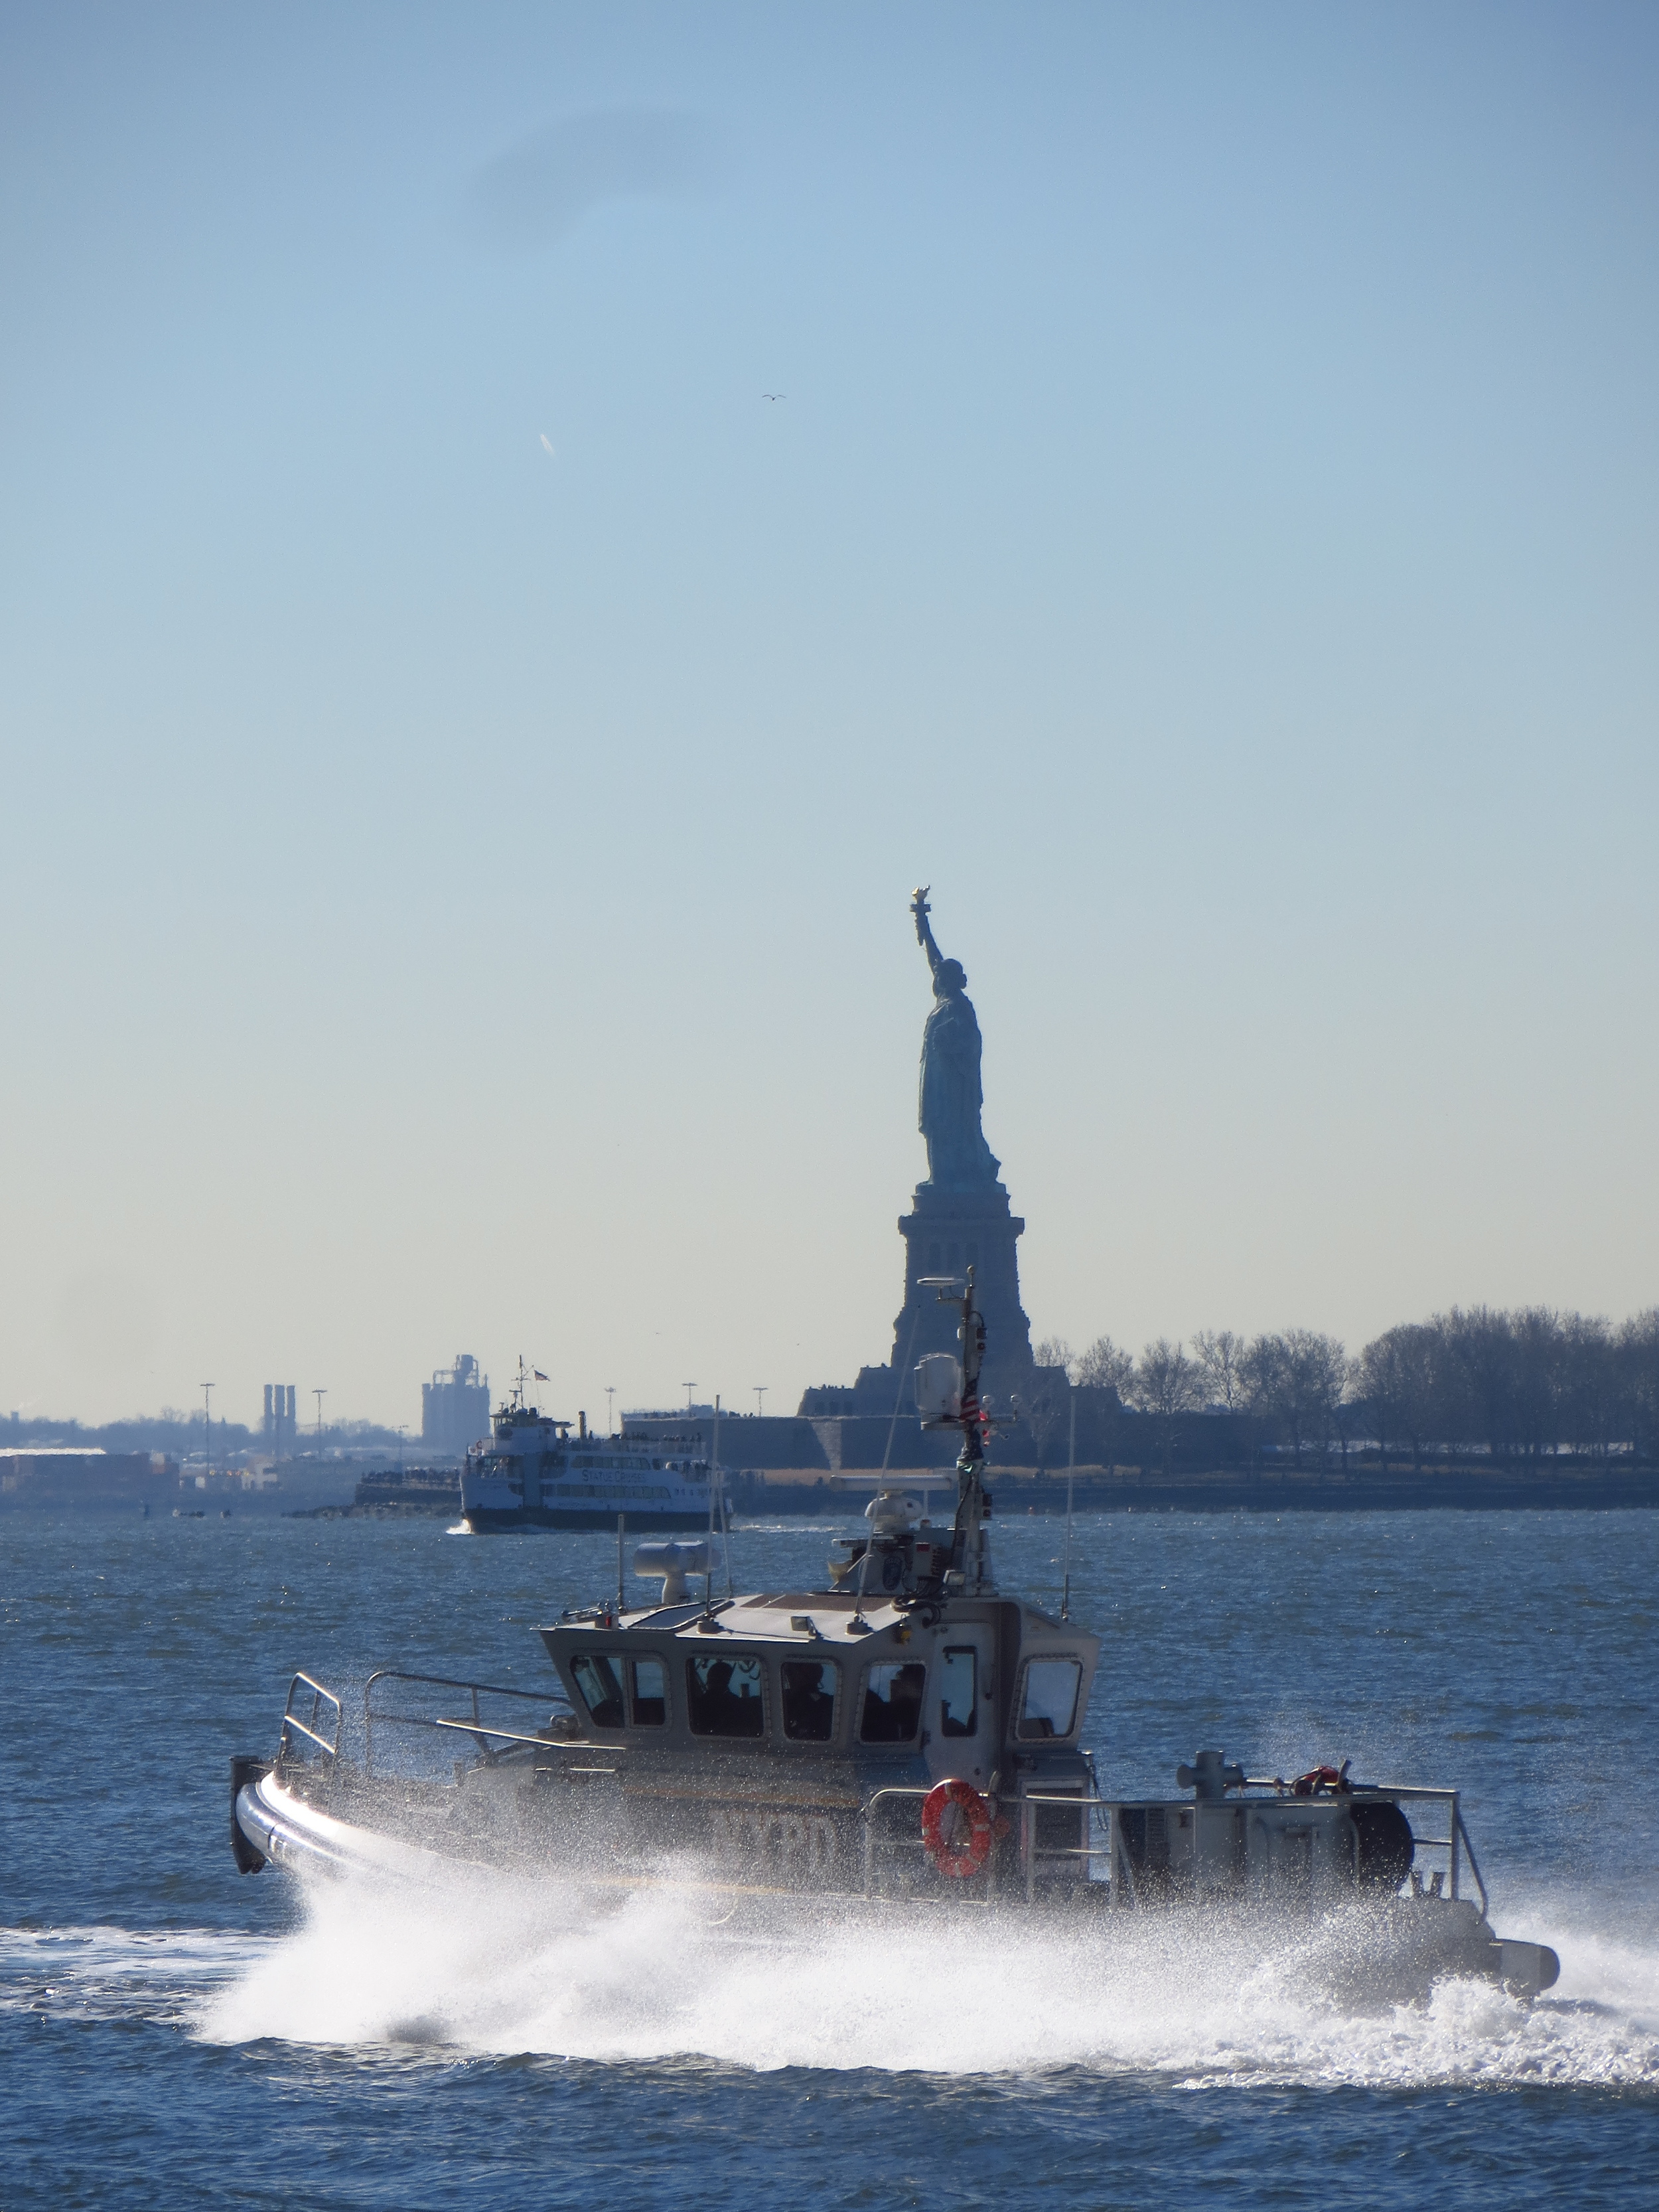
[
  {"x": 1538, "y": 1379},
  {"x": 1638, "y": 1356},
  {"x": 1320, "y": 1364},
  {"x": 1105, "y": 1366},
  {"x": 1102, "y": 1375},
  {"x": 1397, "y": 1375},
  {"x": 1294, "y": 1382},
  {"x": 1220, "y": 1358},
  {"x": 1165, "y": 1383},
  {"x": 1050, "y": 1397},
  {"x": 1591, "y": 1392},
  {"x": 1262, "y": 1376},
  {"x": 1055, "y": 1352}
]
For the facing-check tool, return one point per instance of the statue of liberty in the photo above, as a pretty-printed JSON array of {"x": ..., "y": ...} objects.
[{"x": 958, "y": 1158}]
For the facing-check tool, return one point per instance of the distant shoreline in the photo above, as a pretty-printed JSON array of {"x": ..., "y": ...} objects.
[{"x": 1018, "y": 1492}]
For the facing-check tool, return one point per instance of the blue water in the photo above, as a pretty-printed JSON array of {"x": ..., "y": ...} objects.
[{"x": 172, "y": 2034}]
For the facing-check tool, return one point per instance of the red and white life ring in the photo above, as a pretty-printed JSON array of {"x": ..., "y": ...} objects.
[{"x": 956, "y": 1829}]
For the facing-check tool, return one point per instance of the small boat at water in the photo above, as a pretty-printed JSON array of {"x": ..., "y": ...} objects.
[{"x": 910, "y": 1737}]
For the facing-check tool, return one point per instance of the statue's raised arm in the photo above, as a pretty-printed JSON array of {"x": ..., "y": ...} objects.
[{"x": 920, "y": 908}]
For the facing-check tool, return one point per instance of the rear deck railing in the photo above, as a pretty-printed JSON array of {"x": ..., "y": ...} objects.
[{"x": 1101, "y": 1829}]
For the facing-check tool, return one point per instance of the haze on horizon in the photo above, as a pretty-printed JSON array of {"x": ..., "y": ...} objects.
[{"x": 468, "y": 754}]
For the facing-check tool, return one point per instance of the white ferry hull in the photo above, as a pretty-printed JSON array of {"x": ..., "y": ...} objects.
[{"x": 494, "y": 1519}]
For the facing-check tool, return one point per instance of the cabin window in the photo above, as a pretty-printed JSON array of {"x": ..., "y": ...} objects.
[
  {"x": 724, "y": 1695},
  {"x": 808, "y": 1699},
  {"x": 892, "y": 1702},
  {"x": 649, "y": 1680},
  {"x": 1048, "y": 1707},
  {"x": 959, "y": 1691},
  {"x": 596, "y": 1678}
]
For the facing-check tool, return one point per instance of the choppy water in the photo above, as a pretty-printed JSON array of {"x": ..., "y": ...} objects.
[{"x": 172, "y": 2034}]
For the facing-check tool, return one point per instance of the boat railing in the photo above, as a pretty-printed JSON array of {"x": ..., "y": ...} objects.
[
  {"x": 1455, "y": 1843},
  {"x": 310, "y": 1729},
  {"x": 1106, "y": 1814},
  {"x": 1032, "y": 1854},
  {"x": 490, "y": 1739}
]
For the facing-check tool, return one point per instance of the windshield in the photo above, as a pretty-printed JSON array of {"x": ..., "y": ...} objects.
[
  {"x": 1050, "y": 1706},
  {"x": 596, "y": 1678}
]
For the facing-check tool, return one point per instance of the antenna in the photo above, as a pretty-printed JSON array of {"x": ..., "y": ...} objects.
[
  {"x": 688, "y": 1387},
  {"x": 319, "y": 1395},
  {"x": 1065, "y": 1586},
  {"x": 1071, "y": 1482},
  {"x": 208, "y": 1389},
  {"x": 609, "y": 1399}
]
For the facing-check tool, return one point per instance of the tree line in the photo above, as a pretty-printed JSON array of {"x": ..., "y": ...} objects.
[{"x": 1510, "y": 1386}]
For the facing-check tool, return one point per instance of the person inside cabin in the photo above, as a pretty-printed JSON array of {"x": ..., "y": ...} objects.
[
  {"x": 719, "y": 1702},
  {"x": 809, "y": 1703},
  {"x": 905, "y": 1697},
  {"x": 892, "y": 1702},
  {"x": 725, "y": 1698}
]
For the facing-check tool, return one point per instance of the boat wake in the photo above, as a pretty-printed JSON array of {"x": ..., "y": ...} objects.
[
  {"x": 486, "y": 1965},
  {"x": 97, "y": 1973}
]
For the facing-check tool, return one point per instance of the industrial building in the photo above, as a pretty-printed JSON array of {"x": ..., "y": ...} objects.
[
  {"x": 282, "y": 1427},
  {"x": 454, "y": 1409}
]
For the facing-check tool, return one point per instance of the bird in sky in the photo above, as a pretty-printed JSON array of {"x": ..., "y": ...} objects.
[{"x": 775, "y": 395}]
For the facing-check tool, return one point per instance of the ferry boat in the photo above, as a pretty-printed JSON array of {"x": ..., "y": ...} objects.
[
  {"x": 909, "y": 1734},
  {"x": 535, "y": 1473}
]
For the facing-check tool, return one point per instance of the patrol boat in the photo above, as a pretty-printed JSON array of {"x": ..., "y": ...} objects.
[
  {"x": 535, "y": 1473},
  {"x": 909, "y": 1734}
]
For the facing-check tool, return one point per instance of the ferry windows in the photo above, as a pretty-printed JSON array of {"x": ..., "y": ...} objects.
[
  {"x": 1048, "y": 1707},
  {"x": 808, "y": 1699},
  {"x": 596, "y": 1678},
  {"x": 648, "y": 1680},
  {"x": 724, "y": 1696},
  {"x": 959, "y": 1691},
  {"x": 892, "y": 1702}
]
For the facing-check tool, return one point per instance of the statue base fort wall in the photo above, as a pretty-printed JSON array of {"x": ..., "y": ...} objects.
[{"x": 945, "y": 1233}]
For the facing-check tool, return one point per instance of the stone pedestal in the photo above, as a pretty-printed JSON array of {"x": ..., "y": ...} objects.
[{"x": 946, "y": 1232}]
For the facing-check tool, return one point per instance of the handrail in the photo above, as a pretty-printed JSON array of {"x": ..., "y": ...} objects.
[
  {"x": 554, "y": 1693},
  {"x": 293, "y": 1724},
  {"x": 551, "y": 1696},
  {"x": 509, "y": 1735},
  {"x": 1460, "y": 1829}
]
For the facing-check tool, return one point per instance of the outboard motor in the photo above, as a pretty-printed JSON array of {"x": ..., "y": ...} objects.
[{"x": 673, "y": 1562}]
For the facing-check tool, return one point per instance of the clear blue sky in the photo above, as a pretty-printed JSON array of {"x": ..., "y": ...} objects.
[{"x": 455, "y": 892}]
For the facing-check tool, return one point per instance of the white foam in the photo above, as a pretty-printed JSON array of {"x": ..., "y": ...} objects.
[
  {"x": 121, "y": 1972},
  {"x": 490, "y": 1964}
]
